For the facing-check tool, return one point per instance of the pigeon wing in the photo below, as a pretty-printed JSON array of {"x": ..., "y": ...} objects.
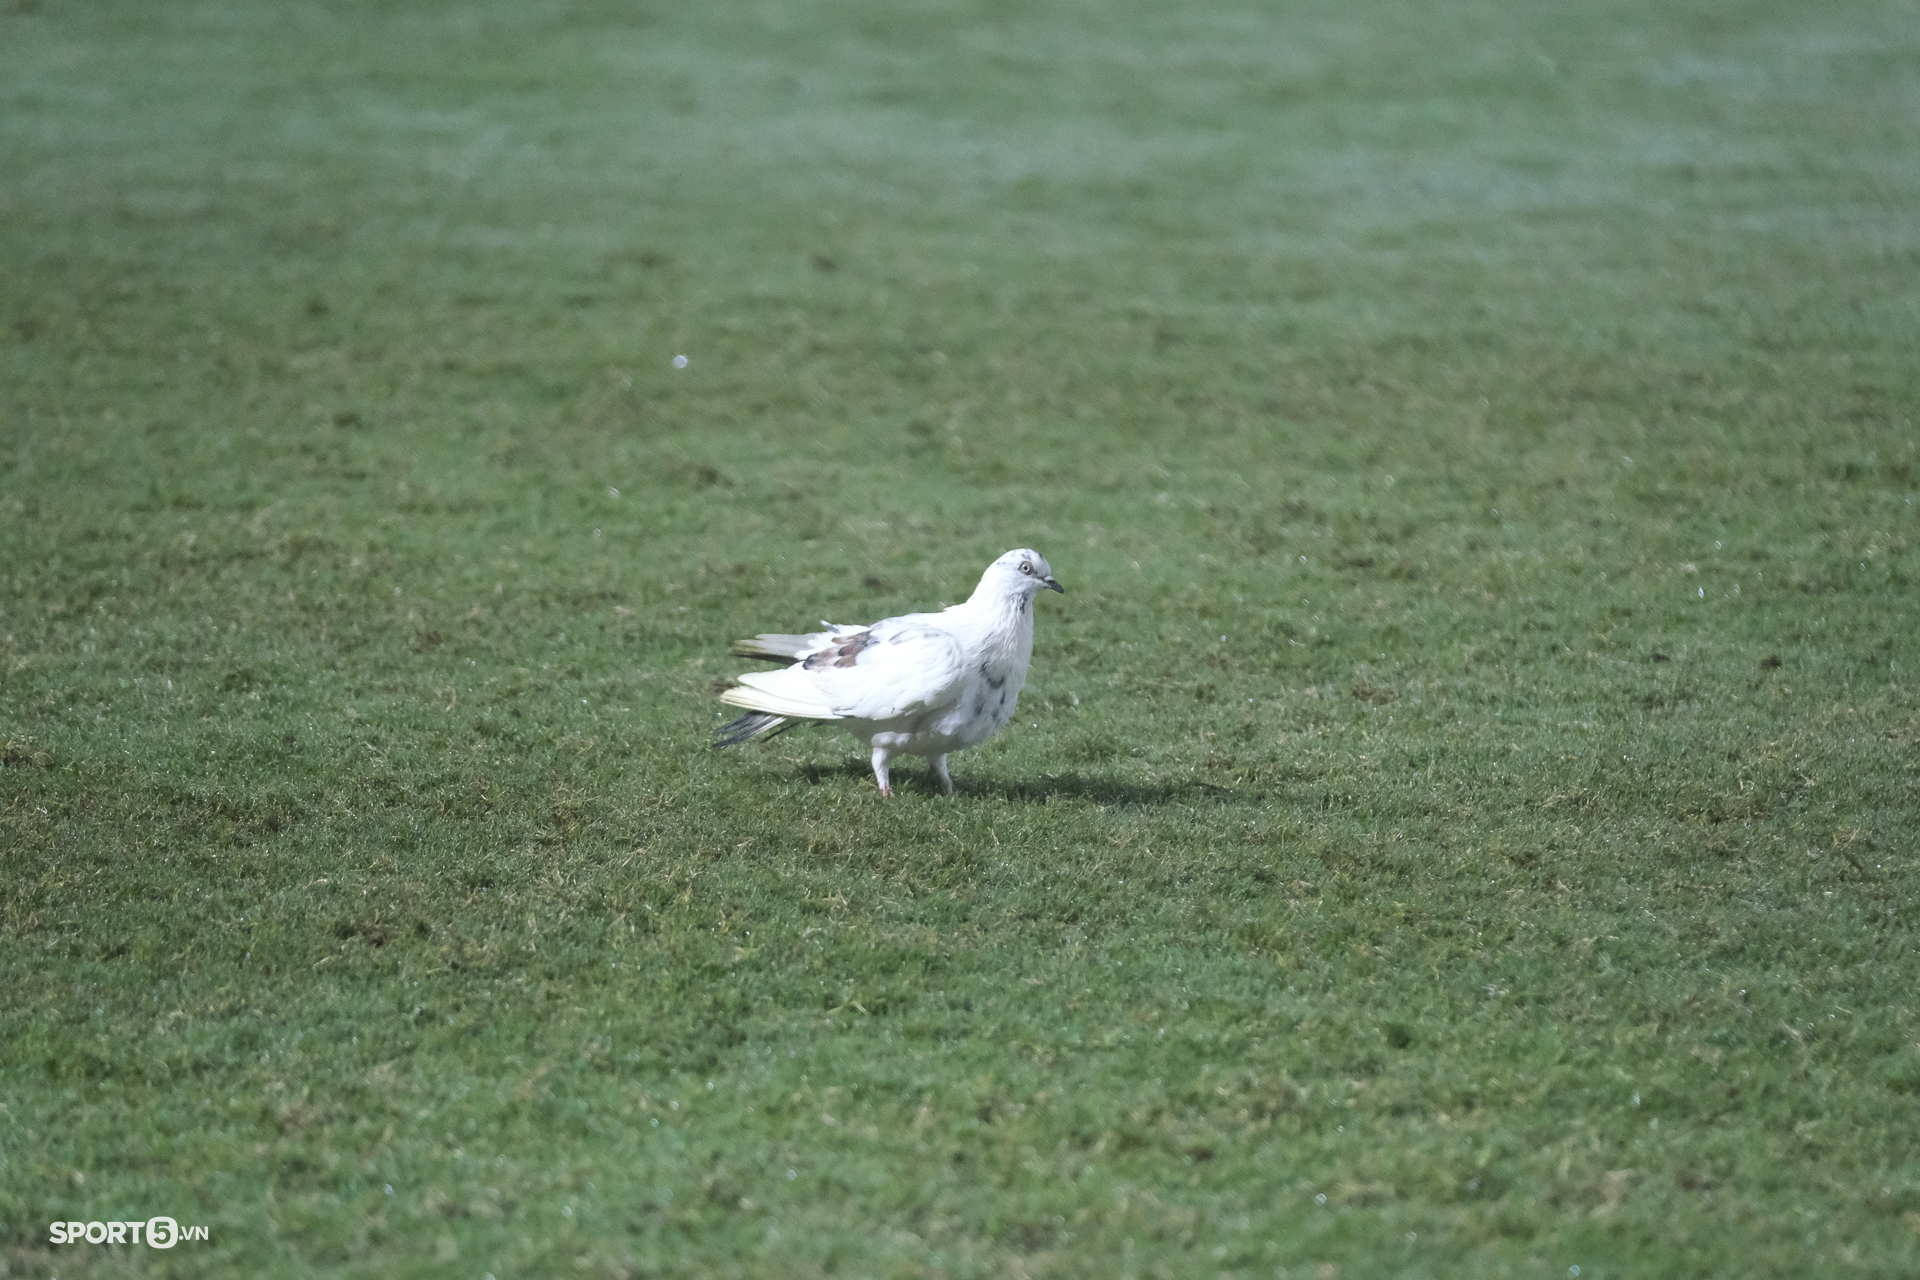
[{"x": 891, "y": 669}]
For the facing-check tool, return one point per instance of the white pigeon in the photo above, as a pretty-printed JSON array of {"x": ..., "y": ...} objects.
[{"x": 924, "y": 684}]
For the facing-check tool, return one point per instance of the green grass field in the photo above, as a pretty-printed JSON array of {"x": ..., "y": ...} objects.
[{"x": 1461, "y": 821}]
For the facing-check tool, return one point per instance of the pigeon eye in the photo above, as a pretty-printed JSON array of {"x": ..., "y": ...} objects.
[{"x": 1026, "y": 568}]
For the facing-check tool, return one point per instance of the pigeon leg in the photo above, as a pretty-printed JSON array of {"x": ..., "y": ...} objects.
[
  {"x": 880, "y": 755},
  {"x": 938, "y": 764}
]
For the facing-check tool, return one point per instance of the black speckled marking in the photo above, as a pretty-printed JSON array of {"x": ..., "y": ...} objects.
[{"x": 999, "y": 683}]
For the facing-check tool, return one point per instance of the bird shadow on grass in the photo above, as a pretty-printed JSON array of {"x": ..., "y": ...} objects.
[
  {"x": 912, "y": 782},
  {"x": 1103, "y": 791}
]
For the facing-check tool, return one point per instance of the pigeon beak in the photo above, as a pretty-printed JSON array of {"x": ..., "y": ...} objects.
[{"x": 1050, "y": 584}]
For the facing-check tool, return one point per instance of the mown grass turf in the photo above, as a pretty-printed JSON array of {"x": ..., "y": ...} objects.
[{"x": 1460, "y": 821}]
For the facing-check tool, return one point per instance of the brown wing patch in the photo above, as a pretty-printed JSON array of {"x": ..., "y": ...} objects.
[{"x": 844, "y": 653}]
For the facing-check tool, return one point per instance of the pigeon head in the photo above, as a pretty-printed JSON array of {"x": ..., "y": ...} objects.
[{"x": 1021, "y": 574}]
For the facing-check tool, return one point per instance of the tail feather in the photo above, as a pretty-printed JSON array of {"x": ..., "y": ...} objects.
[
  {"x": 776, "y": 648},
  {"x": 780, "y": 693},
  {"x": 774, "y": 701},
  {"x": 754, "y": 724}
]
